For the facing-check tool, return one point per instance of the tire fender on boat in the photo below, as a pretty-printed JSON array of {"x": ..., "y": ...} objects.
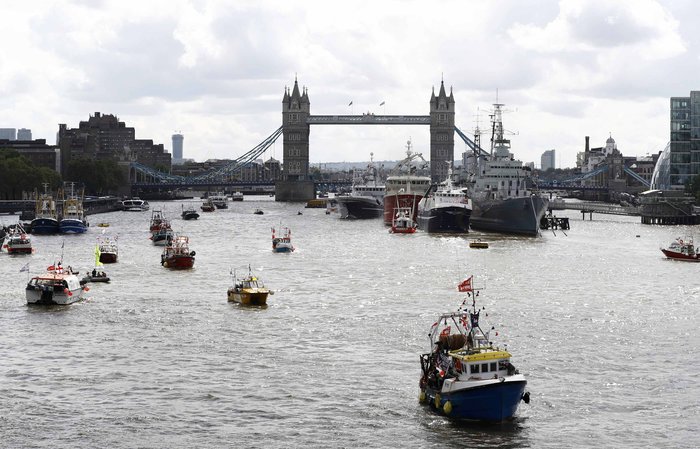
[
  {"x": 437, "y": 401},
  {"x": 421, "y": 397}
]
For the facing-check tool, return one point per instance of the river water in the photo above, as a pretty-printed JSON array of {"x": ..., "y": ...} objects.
[{"x": 604, "y": 328}]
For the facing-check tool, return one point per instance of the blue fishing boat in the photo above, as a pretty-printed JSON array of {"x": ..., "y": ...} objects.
[
  {"x": 45, "y": 219},
  {"x": 465, "y": 377},
  {"x": 73, "y": 220}
]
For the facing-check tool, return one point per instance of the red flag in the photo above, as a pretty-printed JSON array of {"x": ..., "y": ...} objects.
[{"x": 465, "y": 285}]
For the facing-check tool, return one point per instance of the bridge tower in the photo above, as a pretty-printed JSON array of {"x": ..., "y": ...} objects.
[
  {"x": 442, "y": 134},
  {"x": 296, "y": 184}
]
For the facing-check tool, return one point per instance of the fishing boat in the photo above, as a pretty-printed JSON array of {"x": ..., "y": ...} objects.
[
  {"x": 465, "y": 377},
  {"x": 177, "y": 254},
  {"x": 56, "y": 286},
  {"x": 682, "y": 249},
  {"x": 17, "y": 241},
  {"x": 500, "y": 188},
  {"x": 249, "y": 291},
  {"x": 73, "y": 220},
  {"x": 366, "y": 199},
  {"x": 403, "y": 222},
  {"x": 282, "y": 240},
  {"x": 220, "y": 200},
  {"x": 445, "y": 209},
  {"x": 157, "y": 218},
  {"x": 107, "y": 250},
  {"x": 208, "y": 206},
  {"x": 190, "y": 213},
  {"x": 237, "y": 196},
  {"x": 46, "y": 217},
  {"x": 404, "y": 188},
  {"x": 135, "y": 204},
  {"x": 164, "y": 235}
]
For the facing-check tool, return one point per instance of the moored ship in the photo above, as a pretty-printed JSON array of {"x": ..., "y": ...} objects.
[
  {"x": 502, "y": 200},
  {"x": 366, "y": 200},
  {"x": 46, "y": 218},
  {"x": 73, "y": 220},
  {"x": 446, "y": 209},
  {"x": 404, "y": 188}
]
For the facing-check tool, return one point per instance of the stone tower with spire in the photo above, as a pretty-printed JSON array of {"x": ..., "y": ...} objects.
[
  {"x": 442, "y": 133},
  {"x": 296, "y": 184}
]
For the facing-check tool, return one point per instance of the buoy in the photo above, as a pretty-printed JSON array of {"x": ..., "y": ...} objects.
[
  {"x": 165, "y": 264},
  {"x": 526, "y": 397},
  {"x": 447, "y": 408},
  {"x": 437, "y": 401},
  {"x": 421, "y": 397}
]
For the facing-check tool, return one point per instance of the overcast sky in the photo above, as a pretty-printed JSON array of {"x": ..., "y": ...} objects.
[{"x": 216, "y": 70}]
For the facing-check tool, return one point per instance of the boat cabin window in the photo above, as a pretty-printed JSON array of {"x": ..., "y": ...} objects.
[
  {"x": 474, "y": 369},
  {"x": 494, "y": 366},
  {"x": 484, "y": 367}
]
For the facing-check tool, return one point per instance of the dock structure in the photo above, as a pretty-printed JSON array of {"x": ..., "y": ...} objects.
[{"x": 550, "y": 221}]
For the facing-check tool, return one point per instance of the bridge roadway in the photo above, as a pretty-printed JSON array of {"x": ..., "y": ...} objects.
[
  {"x": 245, "y": 186},
  {"x": 599, "y": 208},
  {"x": 368, "y": 119}
]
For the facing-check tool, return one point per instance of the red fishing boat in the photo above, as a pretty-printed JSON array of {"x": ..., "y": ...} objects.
[
  {"x": 157, "y": 219},
  {"x": 177, "y": 254},
  {"x": 404, "y": 189},
  {"x": 682, "y": 249},
  {"x": 403, "y": 222},
  {"x": 18, "y": 241}
]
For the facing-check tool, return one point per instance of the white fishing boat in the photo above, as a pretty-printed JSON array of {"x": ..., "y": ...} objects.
[{"x": 56, "y": 286}]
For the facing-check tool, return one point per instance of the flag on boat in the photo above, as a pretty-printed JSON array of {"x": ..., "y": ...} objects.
[
  {"x": 25, "y": 267},
  {"x": 381, "y": 104},
  {"x": 465, "y": 285},
  {"x": 97, "y": 256}
]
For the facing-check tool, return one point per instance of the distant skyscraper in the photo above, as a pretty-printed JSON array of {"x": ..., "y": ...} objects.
[
  {"x": 547, "y": 160},
  {"x": 24, "y": 134},
  {"x": 8, "y": 133},
  {"x": 177, "y": 148}
]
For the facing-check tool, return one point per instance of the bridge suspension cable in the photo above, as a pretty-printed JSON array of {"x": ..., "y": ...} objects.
[
  {"x": 211, "y": 175},
  {"x": 470, "y": 143}
]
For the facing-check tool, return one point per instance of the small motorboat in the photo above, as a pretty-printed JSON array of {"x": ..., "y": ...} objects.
[
  {"x": 164, "y": 235},
  {"x": 190, "y": 213},
  {"x": 258, "y": 212},
  {"x": 56, "y": 286},
  {"x": 208, "y": 206},
  {"x": 465, "y": 377},
  {"x": 102, "y": 225},
  {"x": 95, "y": 276},
  {"x": 177, "y": 254},
  {"x": 282, "y": 240},
  {"x": 403, "y": 222},
  {"x": 478, "y": 244},
  {"x": 237, "y": 196},
  {"x": 683, "y": 250},
  {"x": 249, "y": 291}
]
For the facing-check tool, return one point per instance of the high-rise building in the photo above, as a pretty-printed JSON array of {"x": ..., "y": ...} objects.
[
  {"x": 684, "y": 148},
  {"x": 547, "y": 160},
  {"x": 103, "y": 136},
  {"x": 8, "y": 134},
  {"x": 178, "y": 140},
  {"x": 24, "y": 134}
]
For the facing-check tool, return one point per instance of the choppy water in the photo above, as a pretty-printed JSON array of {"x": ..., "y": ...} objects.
[{"x": 602, "y": 325}]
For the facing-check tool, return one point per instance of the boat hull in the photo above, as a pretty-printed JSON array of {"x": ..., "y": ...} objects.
[
  {"x": 452, "y": 219},
  {"x": 48, "y": 296},
  {"x": 19, "y": 249},
  {"x": 510, "y": 216},
  {"x": 162, "y": 239},
  {"x": 178, "y": 262},
  {"x": 190, "y": 215},
  {"x": 258, "y": 298},
  {"x": 400, "y": 201},
  {"x": 359, "y": 207},
  {"x": 72, "y": 226},
  {"x": 493, "y": 401},
  {"x": 680, "y": 256},
  {"x": 108, "y": 257},
  {"x": 45, "y": 226}
]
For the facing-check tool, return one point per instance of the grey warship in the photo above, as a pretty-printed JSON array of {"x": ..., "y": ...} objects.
[{"x": 499, "y": 186}]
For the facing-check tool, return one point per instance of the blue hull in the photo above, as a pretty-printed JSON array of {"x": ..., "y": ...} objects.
[
  {"x": 493, "y": 402},
  {"x": 282, "y": 250},
  {"x": 45, "y": 226},
  {"x": 72, "y": 226}
]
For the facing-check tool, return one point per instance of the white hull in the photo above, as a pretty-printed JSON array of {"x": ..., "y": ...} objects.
[{"x": 59, "y": 298}]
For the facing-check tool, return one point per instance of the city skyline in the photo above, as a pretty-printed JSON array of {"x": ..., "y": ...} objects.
[{"x": 216, "y": 71}]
